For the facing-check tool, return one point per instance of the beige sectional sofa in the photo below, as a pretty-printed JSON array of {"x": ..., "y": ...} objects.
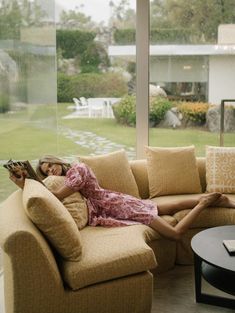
[{"x": 115, "y": 272}]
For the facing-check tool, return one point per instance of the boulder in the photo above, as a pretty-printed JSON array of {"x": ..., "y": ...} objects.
[
  {"x": 213, "y": 119},
  {"x": 171, "y": 120}
]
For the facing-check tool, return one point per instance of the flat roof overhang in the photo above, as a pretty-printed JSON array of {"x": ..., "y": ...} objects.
[{"x": 174, "y": 50}]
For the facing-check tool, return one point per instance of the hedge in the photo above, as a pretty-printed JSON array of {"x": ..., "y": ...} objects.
[
  {"x": 90, "y": 85},
  {"x": 162, "y": 36}
]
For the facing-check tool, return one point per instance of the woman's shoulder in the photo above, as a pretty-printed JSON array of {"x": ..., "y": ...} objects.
[{"x": 78, "y": 165}]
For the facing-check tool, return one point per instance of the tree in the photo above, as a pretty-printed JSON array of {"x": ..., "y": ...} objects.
[
  {"x": 202, "y": 17},
  {"x": 75, "y": 19},
  {"x": 122, "y": 15},
  {"x": 15, "y": 14}
]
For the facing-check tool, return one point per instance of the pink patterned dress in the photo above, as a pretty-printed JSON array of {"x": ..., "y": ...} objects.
[{"x": 106, "y": 207}]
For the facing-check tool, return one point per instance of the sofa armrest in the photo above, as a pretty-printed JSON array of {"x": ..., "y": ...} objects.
[{"x": 31, "y": 274}]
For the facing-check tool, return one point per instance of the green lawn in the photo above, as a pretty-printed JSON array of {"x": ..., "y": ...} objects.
[{"x": 29, "y": 134}]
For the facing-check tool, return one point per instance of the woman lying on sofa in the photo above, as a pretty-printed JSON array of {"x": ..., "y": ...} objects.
[{"x": 110, "y": 208}]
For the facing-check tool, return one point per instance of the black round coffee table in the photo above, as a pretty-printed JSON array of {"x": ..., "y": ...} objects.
[{"x": 213, "y": 262}]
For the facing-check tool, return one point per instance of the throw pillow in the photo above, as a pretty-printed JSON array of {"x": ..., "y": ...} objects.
[
  {"x": 172, "y": 171},
  {"x": 220, "y": 169},
  {"x": 52, "y": 218},
  {"x": 75, "y": 203},
  {"x": 113, "y": 172}
]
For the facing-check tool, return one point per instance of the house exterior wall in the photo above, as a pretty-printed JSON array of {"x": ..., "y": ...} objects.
[{"x": 221, "y": 78}]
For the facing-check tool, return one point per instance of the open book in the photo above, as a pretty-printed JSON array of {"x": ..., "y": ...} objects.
[{"x": 22, "y": 168}]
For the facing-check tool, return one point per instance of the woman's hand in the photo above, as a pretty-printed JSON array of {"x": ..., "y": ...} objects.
[{"x": 19, "y": 181}]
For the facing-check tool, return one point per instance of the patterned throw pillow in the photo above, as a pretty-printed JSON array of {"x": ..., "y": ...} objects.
[
  {"x": 220, "y": 169},
  {"x": 113, "y": 172},
  {"x": 172, "y": 171},
  {"x": 75, "y": 203},
  {"x": 52, "y": 218}
]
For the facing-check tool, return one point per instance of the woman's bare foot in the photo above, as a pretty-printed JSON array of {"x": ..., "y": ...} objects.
[
  {"x": 209, "y": 199},
  {"x": 224, "y": 202}
]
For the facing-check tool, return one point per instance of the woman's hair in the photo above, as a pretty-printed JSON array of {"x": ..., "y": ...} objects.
[{"x": 54, "y": 160}]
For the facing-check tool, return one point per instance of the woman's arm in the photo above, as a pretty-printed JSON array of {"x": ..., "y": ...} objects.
[
  {"x": 19, "y": 181},
  {"x": 63, "y": 192}
]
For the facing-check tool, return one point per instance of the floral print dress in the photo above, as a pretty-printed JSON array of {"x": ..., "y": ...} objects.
[{"x": 106, "y": 207}]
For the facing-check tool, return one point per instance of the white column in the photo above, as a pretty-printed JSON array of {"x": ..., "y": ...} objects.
[{"x": 142, "y": 76}]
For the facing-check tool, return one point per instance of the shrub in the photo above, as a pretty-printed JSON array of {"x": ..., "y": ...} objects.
[
  {"x": 158, "y": 108},
  {"x": 194, "y": 112},
  {"x": 4, "y": 103},
  {"x": 94, "y": 58},
  {"x": 65, "y": 91},
  {"x": 125, "y": 110},
  {"x": 73, "y": 42}
]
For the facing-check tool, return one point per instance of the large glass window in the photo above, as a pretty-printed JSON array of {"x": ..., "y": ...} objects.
[
  {"x": 28, "y": 125},
  {"x": 59, "y": 83},
  {"x": 192, "y": 61},
  {"x": 96, "y": 84}
]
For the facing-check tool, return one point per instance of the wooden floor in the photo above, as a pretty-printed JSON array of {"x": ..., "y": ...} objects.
[{"x": 173, "y": 293}]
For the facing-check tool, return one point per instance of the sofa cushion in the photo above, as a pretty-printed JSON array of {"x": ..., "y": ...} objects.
[
  {"x": 172, "y": 171},
  {"x": 139, "y": 170},
  {"x": 75, "y": 203},
  {"x": 113, "y": 172},
  {"x": 109, "y": 253},
  {"x": 52, "y": 218},
  {"x": 210, "y": 217},
  {"x": 220, "y": 169}
]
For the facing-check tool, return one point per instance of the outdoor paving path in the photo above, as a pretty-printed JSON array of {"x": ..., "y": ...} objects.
[{"x": 99, "y": 145}]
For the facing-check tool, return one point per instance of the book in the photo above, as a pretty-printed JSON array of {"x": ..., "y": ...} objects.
[
  {"x": 230, "y": 246},
  {"x": 22, "y": 168}
]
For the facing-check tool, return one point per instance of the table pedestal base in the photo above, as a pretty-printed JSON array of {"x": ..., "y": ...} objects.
[{"x": 220, "y": 279}]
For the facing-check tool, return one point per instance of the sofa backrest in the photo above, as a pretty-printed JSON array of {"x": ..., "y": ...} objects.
[{"x": 139, "y": 169}]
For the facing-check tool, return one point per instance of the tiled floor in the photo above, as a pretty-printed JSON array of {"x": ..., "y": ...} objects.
[{"x": 173, "y": 293}]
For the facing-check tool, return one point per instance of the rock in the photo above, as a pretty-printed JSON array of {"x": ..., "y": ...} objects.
[
  {"x": 156, "y": 91},
  {"x": 171, "y": 120},
  {"x": 213, "y": 119}
]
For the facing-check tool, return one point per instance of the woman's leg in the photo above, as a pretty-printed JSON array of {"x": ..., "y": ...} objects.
[
  {"x": 174, "y": 207},
  {"x": 224, "y": 202},
  {"x": 175, "y": 233}
]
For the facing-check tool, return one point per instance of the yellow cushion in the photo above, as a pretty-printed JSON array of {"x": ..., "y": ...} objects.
[
  {"x": 52, "y": 218},
  {"x": 220, "y": 169},
  {"x": 110, "y": 253},
  {"x": 172, "y": 171},
  {"x": 75, "y": 203},
  {"x": 113, "y": 172}
]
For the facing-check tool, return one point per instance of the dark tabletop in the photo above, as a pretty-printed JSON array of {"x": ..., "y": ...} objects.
[{"x": 208, "y": 245}]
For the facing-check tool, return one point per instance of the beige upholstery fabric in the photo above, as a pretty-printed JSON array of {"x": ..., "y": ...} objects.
[
  {"x": 139, "y": 170},
  {"x": 34, "y": 284},
  {"x": 172, "y": 171},
  {"x": 109, "y": 253},
  {"x": 75, "y": 203},
  {"x": 113, "y": 172},
  {"x": 52, "y": 218},
  {"x": 220, "y": 169}
]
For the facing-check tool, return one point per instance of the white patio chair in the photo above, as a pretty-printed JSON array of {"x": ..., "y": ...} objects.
[{"x": 81, "y": 107}]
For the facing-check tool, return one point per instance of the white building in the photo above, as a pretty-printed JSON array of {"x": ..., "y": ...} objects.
[{"x": 204, "y": 71}]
